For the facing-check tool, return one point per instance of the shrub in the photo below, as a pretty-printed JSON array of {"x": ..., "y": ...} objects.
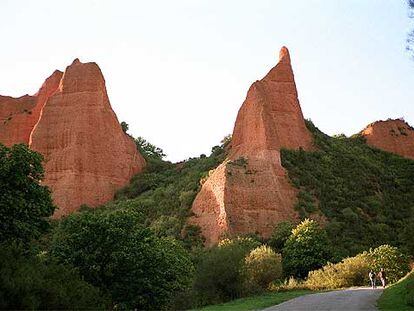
[
  {"x": 124, "y": 126},
  {"x": 395, "y": 264},
  {"x": 219, "y": 271},
  {"x": 27, "y": 282},
  {"x": 245, "y": 243},
  {"x": 167, "y": 226},
  {"x": 280, "y": 234},
  {"x": 306, "y": 249},
  {"x": 261, "y": 267},
  {"x": 192, "y": 237},
  {"x": 114, "y": 252},
  {"x": 352, "y": 271},
  {"x": 288, "y": 284}
]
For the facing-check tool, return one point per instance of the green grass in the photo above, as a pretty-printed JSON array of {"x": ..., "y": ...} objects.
[
  {"x": 257, "y": 302},
  {"x": 396, "y": 296}
]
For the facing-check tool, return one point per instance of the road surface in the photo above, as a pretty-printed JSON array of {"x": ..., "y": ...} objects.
[{"x": 353, "y": 299}]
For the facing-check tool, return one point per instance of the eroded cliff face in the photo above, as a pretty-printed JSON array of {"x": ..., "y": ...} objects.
[
  {"x": 395, "y": 136},
  {"x": 70, "y": 121},
  {"x": 18, "y": 116},
  {"x": 250, "y": 192}
]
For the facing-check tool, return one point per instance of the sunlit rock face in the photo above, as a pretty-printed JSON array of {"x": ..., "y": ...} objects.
[
  {"x": 395, "y": 136},
  {"x": 70, "y": 121},
  {"x": 250, "y": 192},
  {"x": 18, "y": 116}
]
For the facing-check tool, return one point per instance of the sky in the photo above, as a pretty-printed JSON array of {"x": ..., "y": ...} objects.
[{"x": 178, "y": 71}]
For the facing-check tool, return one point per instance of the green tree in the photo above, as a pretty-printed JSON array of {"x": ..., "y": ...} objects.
[
  {"x": 219, "y": 271},
  {"x": 261, "y": 267},
  {"x": 306, "y": 249},
  {"x": 391, "y": 259},
  {"x": 149, "y": 150},
  {"x": 280, "y": 234},
  {"x": 113, "y": 251},
  {"x": 28, "y": 282},
  {"x": 25, "y": 204},
  {"x": 124, "y": 126}
]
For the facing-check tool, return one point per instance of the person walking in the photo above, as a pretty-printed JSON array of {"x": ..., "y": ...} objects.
[
  {"x": 372, "y": 278},
  {"x": 382, "y": 277}
]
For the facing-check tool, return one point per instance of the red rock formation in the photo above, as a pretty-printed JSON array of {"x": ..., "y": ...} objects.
[
  {"x": 15, "y": 114},
  {"x": 395, "y": 136},
  {"x": 71, "y": 122},
  {"x": 19, "y": 115},
  {"x": 250, "y": 191}
]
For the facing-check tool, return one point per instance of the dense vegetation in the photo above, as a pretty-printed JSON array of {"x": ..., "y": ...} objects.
[
  {"x": 139, "y": 252},
  {"x": 29, "y": 279},
  {"x": 113, "y": 251},
  {"x": 164, "y": 192},
  {"x": 307, "y": 248},
  {"x": 365, "y": 194},
  {"x": 29, "y": 282},
  {"x": 128, "y": 254},
  {"x": 24, "y": 203},
  {"x": 353, "y": 271}
]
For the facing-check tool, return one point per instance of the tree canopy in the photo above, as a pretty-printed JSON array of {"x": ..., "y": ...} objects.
[
  {"x": 25, "y": 203},
  {"x": 115, "y": 252},
  {"x": 306, "y": 249},
  {"x": 148, "y": 150}
]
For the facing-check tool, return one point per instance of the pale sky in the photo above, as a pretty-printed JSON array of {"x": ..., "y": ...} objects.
[{"x": 178, "y": 71}]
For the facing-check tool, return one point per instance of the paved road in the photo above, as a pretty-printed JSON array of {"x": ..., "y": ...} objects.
[{"x": 354, "y": 299}]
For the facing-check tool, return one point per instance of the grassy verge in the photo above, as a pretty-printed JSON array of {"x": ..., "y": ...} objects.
[
  {"x": 257, "y": 302},
  {"x": 397, "y": 296}
]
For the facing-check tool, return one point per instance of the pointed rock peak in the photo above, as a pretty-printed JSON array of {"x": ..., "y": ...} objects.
[
  {"x": 55, "y": 76},
  {"x": 82, "y": 77},
  {"x": 270, "y": 117},
  {"x": 57, "y": 73},
  {"x": 51, "y": 84},
  {"x": 76, "y": 61},
  {"x": 284, "y": 56}
]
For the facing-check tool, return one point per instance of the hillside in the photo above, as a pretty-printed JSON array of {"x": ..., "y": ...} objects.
[
  {"x": 362, "y": 195},
  {"x": 365, "y": 194}
]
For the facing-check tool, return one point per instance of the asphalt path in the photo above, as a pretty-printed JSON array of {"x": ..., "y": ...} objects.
[{"x": 353, "y": 299}]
